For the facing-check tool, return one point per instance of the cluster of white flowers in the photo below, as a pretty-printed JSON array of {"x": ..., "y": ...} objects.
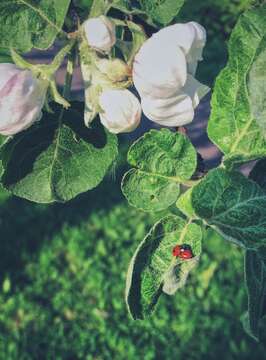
[{"x": 163, "y": 74}]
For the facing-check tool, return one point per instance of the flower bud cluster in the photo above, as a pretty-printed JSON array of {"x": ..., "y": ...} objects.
[
  {"x": 120, "y": 110},
  {"x": 163, "y": 73}
]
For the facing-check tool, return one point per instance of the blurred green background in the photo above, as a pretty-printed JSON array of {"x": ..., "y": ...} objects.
[{"x": 63, "y": 267}]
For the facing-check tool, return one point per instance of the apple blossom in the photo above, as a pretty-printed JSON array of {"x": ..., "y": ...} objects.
[
  {"x": 100, "y": 33},
  {"x": 177, "y": 110},
  {"x": 159, "y": 71},
  {"x": 121, "y": 110},
  {"x": 22, "y": 97},
  {"x": 163, "y": 74},
  {"x": 190, "y": 37}
]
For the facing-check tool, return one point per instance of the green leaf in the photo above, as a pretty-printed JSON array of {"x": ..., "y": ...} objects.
[
  {"x": 233, "y": 205},
  {"x": 154, "y": 270},
  {"x": 56, "y": 160},
  {"x": 138, "y": 38},
  {"x": 255, "y": 278},
  {"x": 25, "y": 24},
  {"x": 126, "y": 7},
  {"x": 238, "y": 102},
  {"x": 100, "y": 7},
  {"x": 184, "y": 203},
  {"x": 84, "y": 4},
  {"x": 162, "y": 160},
  {"x": 5, "y": 56},
  {"x": 163, "y": 11}
]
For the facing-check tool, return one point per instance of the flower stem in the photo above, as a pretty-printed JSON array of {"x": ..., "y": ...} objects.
[{"x": 69, "y": 73}]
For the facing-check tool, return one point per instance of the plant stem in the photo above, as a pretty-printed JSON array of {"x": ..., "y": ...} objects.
[
  {"x": 58, "y": 59},
  {"x": 69, "y": 73},
  {"x": 68, "y": 79}
]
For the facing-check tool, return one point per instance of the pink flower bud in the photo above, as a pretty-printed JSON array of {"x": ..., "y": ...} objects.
[
  {"x": 22, "y": 97},
  {"x": 100, "y": 33}
]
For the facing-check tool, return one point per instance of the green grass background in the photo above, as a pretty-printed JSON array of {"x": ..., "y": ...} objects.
[
  {"x": 63, "y": 271},
  {"x": 63, "y": 268}
]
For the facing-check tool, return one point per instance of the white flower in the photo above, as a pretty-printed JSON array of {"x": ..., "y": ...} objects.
[
  {"x": 177, "y": 110},
  {"x": 22, "y": 97},
  {"x": 121, "y": 110},
  {"x": 159, "y": 71},
  {"x": 163, "y": 74},
  {"x": 190, "y": 37},
  {"x": 100, "y": 33}
]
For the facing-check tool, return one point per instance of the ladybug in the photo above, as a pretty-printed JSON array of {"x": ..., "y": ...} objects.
[
  {"x": 182, "y": 251},
  {"x": 176, "y": 251}
]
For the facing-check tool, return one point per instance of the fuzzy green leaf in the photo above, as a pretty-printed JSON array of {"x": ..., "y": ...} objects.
[
  {"x": 154, "y": 270},
  {"x": 57, "y": 160},
  {"x": 162, "y": 12},
  {"x": 162, "y": 160},
  {"x": 233, "y": 205},
  {"x": 5, "y": 56},
  {"x": 255, "y": 277},
  {"x": 127, "y": 7},
  {"x": 239, "y": 100},
  {"x": 184, "y": 203},
  {"x": 27, "y": 24}
]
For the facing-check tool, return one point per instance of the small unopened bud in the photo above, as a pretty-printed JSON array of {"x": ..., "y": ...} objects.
[
  {"x": 121, "y": 110},
  {"x": 100, "y": 33},
  {"x": 22, "y": 97},
  {"x": 116, "y": 70}
]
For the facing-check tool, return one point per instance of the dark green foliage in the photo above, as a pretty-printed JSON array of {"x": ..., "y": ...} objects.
[
  {"x": 233, "y": 205},
  {"x": 58, "y": 158},
  {"x": 238, "y": 105},
  {"x": 255, "y": 277},
  {"x": 63, "y": 271}
]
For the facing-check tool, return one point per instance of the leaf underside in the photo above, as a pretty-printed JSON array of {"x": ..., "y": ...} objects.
[{"x": 154, "y": 270}]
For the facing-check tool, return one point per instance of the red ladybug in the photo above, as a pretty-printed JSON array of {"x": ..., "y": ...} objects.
[
  {"x": 186, "y": 254},
  {"x": 176, "y": 251},
  {"x": 182, "y": 251}
]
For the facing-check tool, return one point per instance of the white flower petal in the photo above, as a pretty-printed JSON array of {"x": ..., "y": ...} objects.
[
  {"x": 195, "y": 90},
  {"x": 159, "y": 70},
  {"x": 175, "y": 111},
  {"x": 121, "y": 110}
]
